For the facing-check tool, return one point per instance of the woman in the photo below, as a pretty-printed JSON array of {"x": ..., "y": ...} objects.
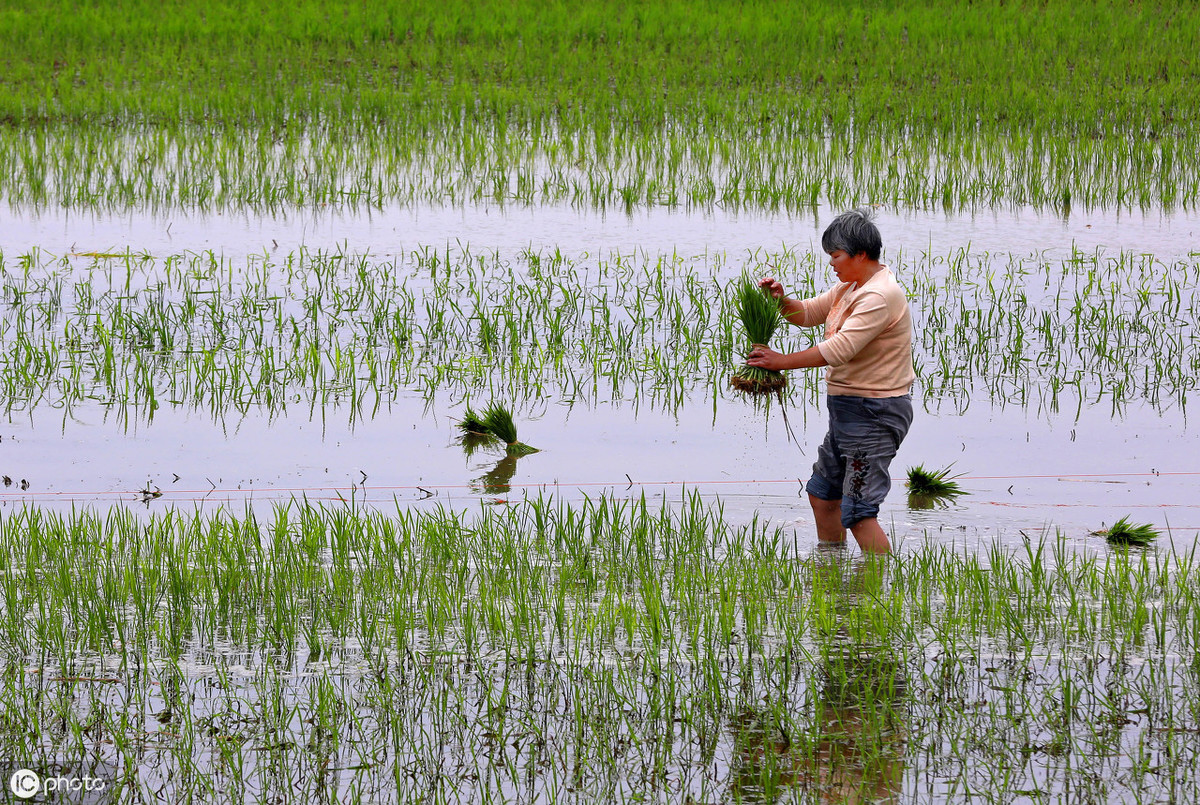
[{"x": 868, "y": 349}]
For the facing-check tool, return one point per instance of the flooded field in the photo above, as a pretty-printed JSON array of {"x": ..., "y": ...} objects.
[
  {"x": 249, "y": 552},
  {"x": 610, "y": 650},
  {"x": 218, "y": 386},
  {"x": 259, "y": 264}
]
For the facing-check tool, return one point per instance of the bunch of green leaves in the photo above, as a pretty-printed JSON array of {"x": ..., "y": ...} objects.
[
  {"x": 925, "y": 483},
  {"x": 498, "y": 421},
  {"x": 472, "y": 422},
  {"x": 760, "y": 315},
  {"x": 758, "y": 310},
  {"x": 1123, "y": 532}
]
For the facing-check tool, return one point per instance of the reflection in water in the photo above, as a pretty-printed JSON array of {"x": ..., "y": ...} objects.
[
  {"x": 498, "y": 479},
  {"x": 473, "y": 442},
  {"x": 859, "y": 749},
  {"x": 919, "y": 501},
  {"x": 763, "y": 763},
  {"x": 852, "y": 748},
  {"x": 859, "y": 753}
]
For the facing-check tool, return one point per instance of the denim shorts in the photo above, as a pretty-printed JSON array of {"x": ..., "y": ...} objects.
[{"x": 852, "y": 463}]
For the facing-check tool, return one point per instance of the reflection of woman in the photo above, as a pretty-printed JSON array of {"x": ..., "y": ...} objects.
[
  {"x": 868, "y": 349},
  {"x": 856, "y": 751},
  {"x": 853, "y": 750},
  {"x": 860, "y": 752}
]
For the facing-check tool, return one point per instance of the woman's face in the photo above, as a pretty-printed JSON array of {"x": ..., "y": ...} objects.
[{"x": 847, "y": 267}]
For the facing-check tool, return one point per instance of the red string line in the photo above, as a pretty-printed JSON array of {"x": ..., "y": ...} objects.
[{"x": 624, "y": 483}]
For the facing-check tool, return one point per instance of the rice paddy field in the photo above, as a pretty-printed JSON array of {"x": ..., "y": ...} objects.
[{"x": 259, "y": 263}]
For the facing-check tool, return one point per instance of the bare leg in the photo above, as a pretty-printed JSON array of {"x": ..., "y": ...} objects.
[
  {"x": 871, "y": 536},
  {"x": 828, "y": 514}
]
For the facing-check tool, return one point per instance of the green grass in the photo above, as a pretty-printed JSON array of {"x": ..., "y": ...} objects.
[
  {"x": 473, "y": 423},
  {"x": 350, "y": 333},
  {"x": 1083, "y": 66},
  {"x": 474, "y": 433},
  {"x": 757, "y": 310},
  {"x": 498, "y": 421},
  {"x": 606, "y": 650},
  {"x": 760, "y": 316}
]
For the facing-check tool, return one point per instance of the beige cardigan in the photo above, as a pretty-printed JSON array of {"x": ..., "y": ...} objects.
[{"x": 868, "y": 336}]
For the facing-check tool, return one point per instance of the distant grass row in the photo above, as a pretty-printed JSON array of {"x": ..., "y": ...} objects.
[
  {"x": 754, "y": 105},
  {"x": 1089, "y": 66},
  {"x": 350, "y": 332},
  {"x": 439, "y": 157}
]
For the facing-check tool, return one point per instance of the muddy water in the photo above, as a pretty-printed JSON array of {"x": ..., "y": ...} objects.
[{"x": 1025, "y": 470}]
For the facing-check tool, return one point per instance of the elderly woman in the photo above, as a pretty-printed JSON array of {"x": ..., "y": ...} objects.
[{"x": 868, "y": 349}]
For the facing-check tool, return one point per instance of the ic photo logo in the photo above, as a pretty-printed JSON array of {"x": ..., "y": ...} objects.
[
  {"x": 66, "y": 783},
  {"x": 24, "y": 783}
]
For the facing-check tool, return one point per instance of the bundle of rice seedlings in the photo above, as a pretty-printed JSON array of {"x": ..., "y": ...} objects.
[
  {"x": 475, "y": 435},
  {"x": 472, "y": 422},
  {"x": 1123, "y": 532},
  {"x": 499, "y": 423},
  {"x": 930, "y": 488},
  {"x": 759, "y": 312},
  {"x": 931, "y": 483}
]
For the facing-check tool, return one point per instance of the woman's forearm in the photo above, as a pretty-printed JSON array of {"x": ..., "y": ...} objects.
[{"x": 794, "y": 312}]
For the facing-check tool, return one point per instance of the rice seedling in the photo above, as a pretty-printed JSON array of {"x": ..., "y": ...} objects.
[
  {"x": 602, "y": 650},
  {"x": 1125, "y": 533},
  {"x": 498, "y": 420},
  {"x": 348, "y": 332},
  {"x": 759, "y": 313}
]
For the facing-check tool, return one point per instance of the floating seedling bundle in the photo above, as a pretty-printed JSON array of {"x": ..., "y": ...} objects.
[
  {"x": 929, "y": 488},
  {"x": 472, "y": 424},
  {"x": 475, "y": 434},
  {"x": 1128, "y": 534},
  {"x": 935, "y": 483},
  {"x": 496, "y": 423},
  {"x": 499, "y": 422},
  {"x": 760, "y": 315}
]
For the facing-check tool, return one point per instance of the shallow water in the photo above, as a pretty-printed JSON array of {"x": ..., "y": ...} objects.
[
  {"x": 1012, "y": 677},
  {"x": 511, "y": 229}
]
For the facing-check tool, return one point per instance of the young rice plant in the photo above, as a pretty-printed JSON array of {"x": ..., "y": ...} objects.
[{"x": 759, "y": 312}]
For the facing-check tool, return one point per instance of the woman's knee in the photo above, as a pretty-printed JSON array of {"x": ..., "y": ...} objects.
[{"x": 822, "y": 506}]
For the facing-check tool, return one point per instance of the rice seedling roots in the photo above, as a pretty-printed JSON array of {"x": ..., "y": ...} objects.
[{"x": 761, "y": 382}]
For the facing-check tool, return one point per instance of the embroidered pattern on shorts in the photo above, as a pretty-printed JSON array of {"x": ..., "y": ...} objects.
[{"x": 857, "y": 467}]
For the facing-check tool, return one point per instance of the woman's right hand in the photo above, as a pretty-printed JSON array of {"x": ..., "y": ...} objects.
[{"x": 772, "y": 286}]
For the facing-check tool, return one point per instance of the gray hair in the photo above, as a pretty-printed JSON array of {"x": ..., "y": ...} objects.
[{"x": 853, "y": 232}]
